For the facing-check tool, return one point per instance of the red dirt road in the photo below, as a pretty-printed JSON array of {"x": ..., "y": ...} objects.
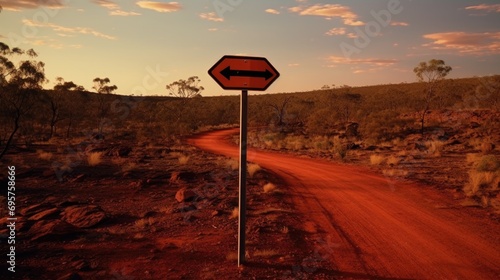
[{"x": 369, "y": 227}]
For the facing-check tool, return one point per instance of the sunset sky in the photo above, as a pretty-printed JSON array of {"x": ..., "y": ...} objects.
[{"x": 144, "y": 45}]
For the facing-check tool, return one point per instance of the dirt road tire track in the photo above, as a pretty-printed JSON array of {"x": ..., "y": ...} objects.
[{"x": 375, "y": 228}]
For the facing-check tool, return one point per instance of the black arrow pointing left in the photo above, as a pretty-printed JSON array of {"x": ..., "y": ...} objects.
[{"x": 228, "y": 73}]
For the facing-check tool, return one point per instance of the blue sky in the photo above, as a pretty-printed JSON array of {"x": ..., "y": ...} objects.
[{"x": 144, "y": 45}]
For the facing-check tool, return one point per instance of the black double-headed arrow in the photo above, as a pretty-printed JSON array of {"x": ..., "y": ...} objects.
[{"x": 228, "y": 73}]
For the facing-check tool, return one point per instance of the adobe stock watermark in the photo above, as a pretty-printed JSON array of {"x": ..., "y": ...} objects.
[
  {"x": 42, "y": 16},
  {"x": 488, "y": 87},
  {"x": 223, "y": 6},
  {"x": 382, "y": 19}
]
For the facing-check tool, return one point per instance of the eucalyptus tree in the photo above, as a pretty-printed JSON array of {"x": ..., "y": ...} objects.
[
  {"x": 19, "y": 84},
  {"x": 430, "y": 73}
]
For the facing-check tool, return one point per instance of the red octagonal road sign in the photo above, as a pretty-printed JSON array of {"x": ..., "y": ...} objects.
[{"x": 243, "y": 72}]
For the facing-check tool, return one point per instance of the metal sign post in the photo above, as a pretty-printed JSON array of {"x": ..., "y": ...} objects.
[
  {"x": 243, "y": 177},
  {"x": 243, "y": 73}
]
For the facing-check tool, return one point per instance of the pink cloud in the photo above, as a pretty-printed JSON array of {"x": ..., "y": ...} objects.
[
  {"x": 329, "y": 11},
  {"x": 160, "y": 6},
  {"x": 466, "y": 43}
]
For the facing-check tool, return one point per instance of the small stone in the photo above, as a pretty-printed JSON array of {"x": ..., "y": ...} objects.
[
  {"x": 51, "y": 230},
  {"x": 84, "y": 216},
  {"x": 184, "y": 195},
  {"x": 44, "y": 215}
]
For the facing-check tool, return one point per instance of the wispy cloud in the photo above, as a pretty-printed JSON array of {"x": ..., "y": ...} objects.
[
  {"x": 399, "y": 23},
  {"x": 160, "y": 6},
  {"x": 466, "y": 43},
  {"x": 272, "y": 11},
  {"x": 368, "y": 61},
  {"x": 213, "y": 29},
  {"x": 18, "y": 5},
  {"x": 65, "y": 30},
  {"x": 494, "y": 8},
  {"x": 123, "y": 13},
  {"x": 293, "y": 64},
  {"x": 108, "y": 4},
  {"x": 114, "y": 9},
  {"x": 336, "y": 31},
  {"x": 362, "y": 65},
  {"x": 211, "y": 16},
  {"x": 329, "y": 11},
  {"x": 51, "y": 43}
]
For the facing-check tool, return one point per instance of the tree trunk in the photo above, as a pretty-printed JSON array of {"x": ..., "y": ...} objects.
[
  {"x": 11, "y": 137},
  {"x": 69, "y": 127},
  {"x": 52, "y": 130},
  {"x": 422, "y": 121}
]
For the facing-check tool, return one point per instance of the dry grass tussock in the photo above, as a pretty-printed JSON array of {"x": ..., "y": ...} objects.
[
  {"x": 252, "y": 169},
  {"x": 434, "y": 148},
  {"x": 94, "y": 159},
  {"x": 125, "y": 164},
  {"x": 144, "y": 223},
  {"x": 232, "y": 256},
  {"x": 392, "y": 160},
  {"x": 44, "y": 155},
  {"x": 232, "y": 164},
  {"x": 377, "y": 159},
  {"x": 484, "y": 177},
  {"x": 472, "y": 158},
  {"x": 182, "y": 158},
  {"x": 480, "y": 182},
  {"x": 265, "y": 253},
  {"x": 482, "y": 144},
  {"x": 395, "y": 173},
  {"x": 235, "y": 213},
  {"x": 269, "y": 188}
]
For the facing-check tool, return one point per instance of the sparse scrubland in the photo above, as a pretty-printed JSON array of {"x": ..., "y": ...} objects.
[
  {"x": 378, "y": 125},
  {"x": 120, "y": 164}
]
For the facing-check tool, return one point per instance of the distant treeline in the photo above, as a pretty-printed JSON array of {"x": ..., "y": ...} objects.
[{"x": 377, "y": 109}]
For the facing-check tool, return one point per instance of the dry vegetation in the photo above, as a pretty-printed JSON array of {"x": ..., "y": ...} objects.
[{"x": 374, "y": 125}]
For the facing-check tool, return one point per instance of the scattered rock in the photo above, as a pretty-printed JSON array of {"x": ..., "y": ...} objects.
[
  {"x": 474, "y": 125},
  {"x": 184, "y": 195},
  {"x": 80, "y": 265},
  {"x": 174, "y": 177},
  {"x": 51, "y": 230},
  {"x": 35, "y": 208},
  {"x": 46, "y": 214},
  {"x": 84, "y": 216},
  {"x": 183, "y": 208},
  {"x": 215, "y": 213}
]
